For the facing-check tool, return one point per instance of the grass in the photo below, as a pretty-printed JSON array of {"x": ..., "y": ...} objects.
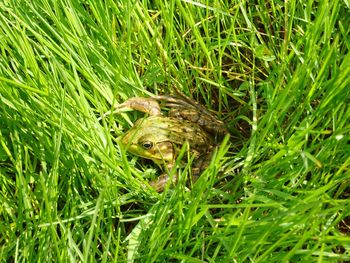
[{"x": 276, "y": 72}]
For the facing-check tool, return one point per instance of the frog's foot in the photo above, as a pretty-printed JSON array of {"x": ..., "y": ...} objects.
[
  {"x": 161, "y": 182},
  {"x": 146, "y": 105}
]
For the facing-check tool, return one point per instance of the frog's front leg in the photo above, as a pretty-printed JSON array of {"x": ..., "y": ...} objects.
[
  {"x": 160, "y": 183},
  {"x": 146, "y": 105}
]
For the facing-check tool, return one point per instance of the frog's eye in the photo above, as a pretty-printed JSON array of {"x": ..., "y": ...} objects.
[{"x": 147, "y": 145}]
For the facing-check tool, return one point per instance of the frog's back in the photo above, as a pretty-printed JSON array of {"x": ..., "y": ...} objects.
[{"x": 176, "y": 131}]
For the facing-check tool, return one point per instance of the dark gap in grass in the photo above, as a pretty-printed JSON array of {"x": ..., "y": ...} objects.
[{"x": 344, "y": 227}]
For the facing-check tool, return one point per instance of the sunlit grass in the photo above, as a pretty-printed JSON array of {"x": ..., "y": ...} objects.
[{"x": 276, "y": 73}]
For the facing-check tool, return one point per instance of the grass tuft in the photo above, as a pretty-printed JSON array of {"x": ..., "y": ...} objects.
[{"x": 276, "y": 72}]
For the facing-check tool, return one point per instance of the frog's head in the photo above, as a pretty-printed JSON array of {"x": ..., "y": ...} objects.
[{"x": 149, "y": 140}]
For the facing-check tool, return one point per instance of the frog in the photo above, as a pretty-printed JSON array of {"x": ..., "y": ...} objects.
[{"x": 159, "y": 137}]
